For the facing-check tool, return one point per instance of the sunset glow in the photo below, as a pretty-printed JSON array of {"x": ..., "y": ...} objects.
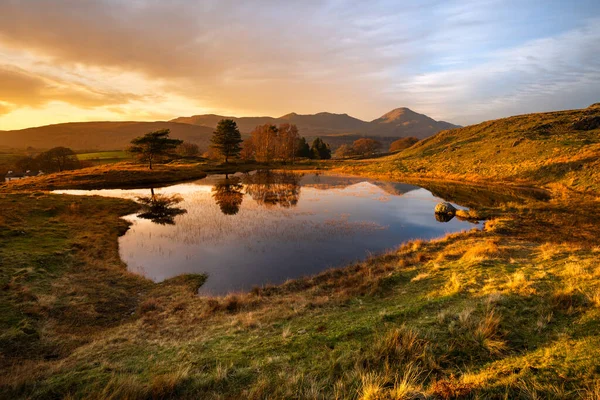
[{"x": 461, "y": 61}]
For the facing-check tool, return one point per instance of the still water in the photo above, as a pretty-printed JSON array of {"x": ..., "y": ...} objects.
[{"x": 248, "y": 230}]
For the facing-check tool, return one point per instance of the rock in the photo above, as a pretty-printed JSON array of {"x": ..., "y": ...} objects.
[
  {"x": 443, "y": 217},
  {"x": 587, "y": 123},
  {"x": 445, "y": 208}
]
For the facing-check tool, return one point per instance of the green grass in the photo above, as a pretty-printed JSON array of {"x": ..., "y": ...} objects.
[
  {"x": 105, "y": 157},
  {"x": 508, "y": 311}
]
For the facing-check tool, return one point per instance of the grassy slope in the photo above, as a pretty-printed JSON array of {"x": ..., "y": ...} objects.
[
  {"x": 511, "y": 311},
  {"x": 106, "y": 176},
  {"x": 534, "y": 149}
]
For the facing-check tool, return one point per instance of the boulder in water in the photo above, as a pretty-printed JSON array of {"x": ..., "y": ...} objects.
[{"x": 445, "y": 208}]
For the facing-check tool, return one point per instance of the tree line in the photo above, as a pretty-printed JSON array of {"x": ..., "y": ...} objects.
[
  {"x": 368, "y": 146},
  {"x": 57, "y": 159},
  {"x": 266, "y": 143}
]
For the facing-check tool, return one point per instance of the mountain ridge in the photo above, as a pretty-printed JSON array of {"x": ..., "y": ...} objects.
[
  {"x": 113, "y": 135},
  {"x": 399, "y": 122}
]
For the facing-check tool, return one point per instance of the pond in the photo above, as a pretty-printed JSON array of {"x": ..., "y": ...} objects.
[{"x": 265, "y": 227}]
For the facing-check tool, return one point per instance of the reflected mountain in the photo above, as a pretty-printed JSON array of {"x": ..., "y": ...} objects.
[
  {"x": 228, "y": 194},
  {"x": 272, "y": 188},
  {"x": 159, "y": 209},
  {"x": 326, "y": 182}
]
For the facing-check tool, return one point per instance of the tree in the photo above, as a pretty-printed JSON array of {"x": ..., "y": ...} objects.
[
  {"x": 344, "y": 151},
  {"x": 366, "y": 146},
  {"x": 247, "y": 152},
  {"x": 57, "y": 159},
  {"x": 28, "y": 163},
  {"x": 303, "y": 149},
  {"x": 264, "y": 138},
  {"x": 188, "y": 149},
  {"x": 226, "y": 139},
  {"x": 320, "y": 150},
  {"x": 403, "y": 143},
  {"x": 154, "y": 146},
  {"x": 288, "y": 142}
]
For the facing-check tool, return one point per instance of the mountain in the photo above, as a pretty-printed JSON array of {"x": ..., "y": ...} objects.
[
  {"x": 245, "y": 124},
  {"x": 401, "y": 122},
  {"x": 99, "y": 135},
  {"x": 339, "y": 128}
]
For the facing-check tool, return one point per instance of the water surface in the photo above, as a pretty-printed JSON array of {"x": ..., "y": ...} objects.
[{"x": 248, "y": 230}]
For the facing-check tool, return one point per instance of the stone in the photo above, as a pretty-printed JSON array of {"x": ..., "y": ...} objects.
[{"x": 445, "y": 208}]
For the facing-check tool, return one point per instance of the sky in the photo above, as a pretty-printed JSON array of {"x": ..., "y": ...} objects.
[{"x": 463, "y": 61}]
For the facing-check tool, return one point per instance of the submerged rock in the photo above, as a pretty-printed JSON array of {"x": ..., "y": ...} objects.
[{"x": 445, "y": 208}]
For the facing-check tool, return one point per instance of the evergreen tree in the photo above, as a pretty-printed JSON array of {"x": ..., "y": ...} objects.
[
  {"x": 303, "y": 149},
  {"x": 226, "y": 139},
  {"x": 320, "y": 150},
  {"x": 154, "y": 146}
]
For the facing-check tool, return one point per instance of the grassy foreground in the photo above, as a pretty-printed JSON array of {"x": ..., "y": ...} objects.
[{"x": 511, "y": 311}]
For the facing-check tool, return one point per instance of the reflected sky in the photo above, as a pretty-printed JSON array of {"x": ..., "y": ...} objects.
[{"x": 330, "y": 222}]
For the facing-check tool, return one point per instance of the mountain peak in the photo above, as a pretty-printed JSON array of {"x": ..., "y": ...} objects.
[{"x": 397, "y": 113}]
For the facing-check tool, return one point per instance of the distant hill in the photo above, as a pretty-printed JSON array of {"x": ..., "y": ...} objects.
[
  {"x": 99, "y": 135},
  {"x": 401, "y": 122},
  {"x": 561, "y": 147},
  {"x": 338, "y": 128}
]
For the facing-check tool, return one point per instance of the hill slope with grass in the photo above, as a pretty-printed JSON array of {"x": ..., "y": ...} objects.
[
  {"x": 100, "y": 135},
  {"x": 545, "y": 149}
]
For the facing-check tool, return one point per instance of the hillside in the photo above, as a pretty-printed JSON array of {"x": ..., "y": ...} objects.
[
  {"x": 401, "y": 122},
  {"x": 99, "y": 135},
  {"x": 542, "y": 149}
]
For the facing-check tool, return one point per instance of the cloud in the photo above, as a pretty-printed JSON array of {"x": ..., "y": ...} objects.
[
  {"x": 20, "y": 88},
  {"x": 461, "y": 60},
  {"x": 543, "y": 74}
]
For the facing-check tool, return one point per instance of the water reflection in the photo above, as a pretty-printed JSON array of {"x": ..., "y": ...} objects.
[
  {"x": 439, "y": 217},
  {"x": 274, "y": 188},
  {"x": 228, "y": 194},
  {"x": 159, "y": 208},
  {"x": 244, "y": 230}
]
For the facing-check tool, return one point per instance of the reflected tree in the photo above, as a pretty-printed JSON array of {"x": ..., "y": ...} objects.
[
  {"x": 274, "y": 188},
  {"x": 159, "y": 208},
  {"x": 228, "y": 194}
]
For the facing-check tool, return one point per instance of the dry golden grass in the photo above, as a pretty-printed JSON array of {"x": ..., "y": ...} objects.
[{"x": 120, "y": 175}]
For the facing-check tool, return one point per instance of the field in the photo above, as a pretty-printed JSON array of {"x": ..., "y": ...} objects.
[
  {"x": 105, "y": 157},
  {"x": 511, "y": 311}
]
